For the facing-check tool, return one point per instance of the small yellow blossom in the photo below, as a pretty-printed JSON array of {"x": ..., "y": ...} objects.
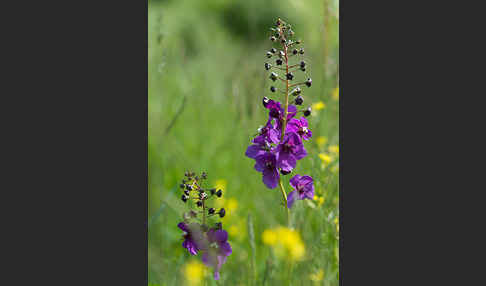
[
  {"x": 194, "y": 272},
  {"x": 238, "y": 229},
  {"x": 321, "y": 140},
  {"x": 318, "y": 106},
  {"x": 335, "y": 94},
  {"x": 325, "y": 158},
  {"x": 320, "y": 200},
  {"x": 318, "y": 276},
  {"x": 285, "y": 242},
  {"x": 269, "y": 237},
  {"x": 334, "y": 149}
]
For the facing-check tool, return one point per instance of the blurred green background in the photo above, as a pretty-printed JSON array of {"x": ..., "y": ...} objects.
[{"x": 206, "y": 83}]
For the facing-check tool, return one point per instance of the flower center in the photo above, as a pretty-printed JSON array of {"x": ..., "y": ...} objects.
[{"x": 214, "y": 245}]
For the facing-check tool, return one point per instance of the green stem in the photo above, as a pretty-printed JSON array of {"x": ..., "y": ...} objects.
[
  {"x": 284, "y": 123},
  {"x": 284, "y": 195}
]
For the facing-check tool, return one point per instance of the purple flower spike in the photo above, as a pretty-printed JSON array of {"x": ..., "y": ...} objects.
[
  {"x": 303, "y": 189},
  {"x": 267, "y": 164},
  {"x": 289, "y": 151},
  {"x": 217, "y": 251},
  {"x": 193, "y": 237},
  {"x": 300, "y": 126}
]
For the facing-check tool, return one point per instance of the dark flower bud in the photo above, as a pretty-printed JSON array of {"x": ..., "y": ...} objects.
[
  {"x": 204, "y": 175},
  {"x": 219, "y": 193},
  {"x": 267, "y": 66},
  {"x": 210, "y": 210},
  {"x": 307, "y": 112},
  {"x": 265, "y": 101},
  {"x": 182, "y": 186},
  {"x": 273, "y": 76},
  {"x": 290, "y": 76},
  {"x": 281, "y": 54},
  {"x": 212, "y": 191},
  {"x": 222, "y": 212},
  {"x": 298, "y": 41},
  {"x": 284, "y": 172},
  {"x": 278, "y": 22},
  {"x": 269, "y": 55},
  {"x": 302, "y": 64},
  {"x": 274, "y": 113},
  {"x": 283, "y": 41},
  {"x": 273, "y": 89},
  {"x": 199, "y": 203},
  {"x": 273, "y": 39},
  {"x": 203, "y": 196},
  {"x": 295, "y": 51},
  {"x": 219, "y": 225},
  {"x": 296, "y": 91},
  {"x": 308, "y": 82},
  {"x": 184, "y": 198},
  {"x": 302, "y": 69},
  {"x": 186, "y": 192},
  {"x": 301, "y": 51},
  {"x": 299, "y": 100},
  {"x": 189, "y": 187},
  {"x": 273, "y": 50},
  {"x": 279, "y": 62},
  {"x": 277, "y": 35}
]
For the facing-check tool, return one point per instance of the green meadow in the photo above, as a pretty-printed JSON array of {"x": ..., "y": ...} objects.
[{"x": 206, "y": 82}]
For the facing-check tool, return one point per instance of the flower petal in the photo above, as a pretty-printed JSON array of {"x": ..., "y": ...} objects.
[
  {"x": 291, "y": 197},
  {"x": 270, "y": 178}
]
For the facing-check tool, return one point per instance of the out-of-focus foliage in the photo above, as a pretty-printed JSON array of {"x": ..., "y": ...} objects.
[{"x": 206, "y": 81}]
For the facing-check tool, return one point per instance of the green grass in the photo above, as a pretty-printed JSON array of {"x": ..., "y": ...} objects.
[{"x": 206, "y": 81}]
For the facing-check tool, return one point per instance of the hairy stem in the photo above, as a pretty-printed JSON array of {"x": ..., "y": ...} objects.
[{"x": 284, "y": 122}]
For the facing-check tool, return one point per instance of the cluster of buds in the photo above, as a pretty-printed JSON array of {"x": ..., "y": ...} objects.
[
  {"x": 279, "y": 143},
  {"x": 290, "y": 50},
  {"x": 191, "y": 186},
  {"x": 199, "y": 234}
]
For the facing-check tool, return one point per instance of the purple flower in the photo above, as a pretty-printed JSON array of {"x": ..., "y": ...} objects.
[
  {"x": 193, "y": 237},
  {"x": 277, "y": 111},
  {"x": 303, "y": 189},
  {"x": 267, "y": 164},
  {"x": 217, "y": 251},
  {"x": 289, "y": 151},
  {"x": 300, "y": 126},
  {"x": 268, "y": 135}
]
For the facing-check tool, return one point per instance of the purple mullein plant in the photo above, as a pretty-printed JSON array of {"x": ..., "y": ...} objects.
[
  {"x": 199, "y": 235},
  {"x": 279, "y": 144}
]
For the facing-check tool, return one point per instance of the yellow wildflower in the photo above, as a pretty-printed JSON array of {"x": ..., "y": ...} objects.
[
  {"x": 238, "y": 230},
  {"x": 194, "y": 272},
  {"x": 317, "y": 277},
  {"x": 325, "y": 158},
  {"x": 269, "y": 237},
  {"x": 318, "y": 106},
  {"x": 320, "y": 200},
  {"x": 334, "y": 149},
  {"x": 285, "y": 242},
  {"x": 321, "y": 140},
  {"x": 335, "y": 94}
]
